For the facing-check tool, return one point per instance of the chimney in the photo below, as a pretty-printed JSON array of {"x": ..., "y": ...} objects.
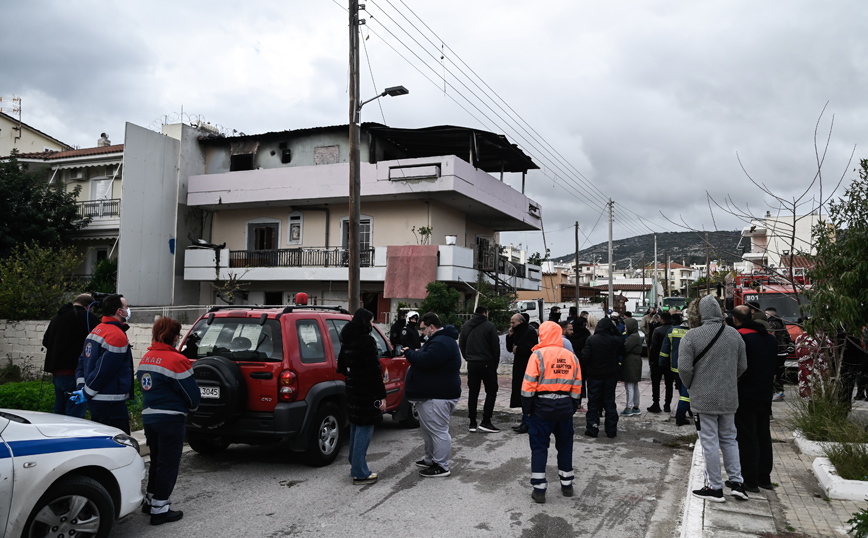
[{"x": 103, "y": 141}]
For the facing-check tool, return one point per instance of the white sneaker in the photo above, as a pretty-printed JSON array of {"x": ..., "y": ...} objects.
[{"x": 778, "y": 397}]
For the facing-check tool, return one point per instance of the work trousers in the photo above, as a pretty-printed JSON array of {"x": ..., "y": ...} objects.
[
  {"x": 434, "y": 417},
  {"x": 754, "y": 442},
  {"x": 166, "y": 441},
  {"x": 540, "y": 432},
  {"x": 481, "y": 373},
  {"x": 113, "y": 414},
  {"x": 718, "y": 436},
  {"x": 667, "y": 375},
  {"x": 601, "y": 395},
  {"x": 683, "y": 399}
]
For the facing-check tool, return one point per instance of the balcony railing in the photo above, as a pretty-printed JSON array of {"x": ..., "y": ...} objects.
[
  {"x": 99, "y": 208},
  {"x": 297, "y": 257}
]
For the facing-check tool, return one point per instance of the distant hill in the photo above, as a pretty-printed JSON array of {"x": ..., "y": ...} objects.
[{"x": 682, "y": 247}]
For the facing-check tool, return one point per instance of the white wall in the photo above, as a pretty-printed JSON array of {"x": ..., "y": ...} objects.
[{"x": 21, "y": 341}]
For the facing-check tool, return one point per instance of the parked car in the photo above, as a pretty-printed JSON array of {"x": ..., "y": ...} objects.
[
  {"x": 270, "y": 374},
  {"x": 65, "y": 476}
]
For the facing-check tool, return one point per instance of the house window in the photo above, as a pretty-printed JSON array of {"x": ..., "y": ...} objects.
[
  {"x": 296, "y": 222},
  {"x": 262, "y": 235},
  {"x": 365, "y": 232},
  {"x": 241, "y": 162}
]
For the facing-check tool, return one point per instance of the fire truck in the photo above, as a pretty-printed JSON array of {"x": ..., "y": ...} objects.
[{"x": 769, "y": 290}]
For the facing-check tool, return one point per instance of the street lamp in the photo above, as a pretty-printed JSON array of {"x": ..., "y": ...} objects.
[{"x": 354, "y": 255}]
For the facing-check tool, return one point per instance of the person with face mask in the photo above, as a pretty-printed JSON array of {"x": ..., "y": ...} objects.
[
  {"x": 169, "y": 391},
  {"x": 104, "y": 375},
  {"x": 410, "y": 334}
]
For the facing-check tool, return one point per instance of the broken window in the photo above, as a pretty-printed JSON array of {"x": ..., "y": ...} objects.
[{"x": 242, "y": 155}]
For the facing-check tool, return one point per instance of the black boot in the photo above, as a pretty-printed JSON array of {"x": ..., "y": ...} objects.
[{"x": 654, "y": 408}]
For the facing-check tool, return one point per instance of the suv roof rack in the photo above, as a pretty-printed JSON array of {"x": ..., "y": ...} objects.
[{"x": 286, "y": 310}]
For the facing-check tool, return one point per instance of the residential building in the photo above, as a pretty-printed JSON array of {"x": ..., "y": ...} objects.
[
  {"x": 17, "y": 135},
  {"x": 97, "y": 174},
  {"x": 274, "y": 209},
  {"x": 769, "y": 242},
  {"x": 675, "y": 279}
]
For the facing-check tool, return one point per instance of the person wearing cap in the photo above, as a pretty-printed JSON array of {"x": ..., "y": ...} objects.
[{"x": 410, "y": 334}]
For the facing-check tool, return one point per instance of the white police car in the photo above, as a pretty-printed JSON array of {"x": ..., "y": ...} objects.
[{"x": 64, "y": 476}]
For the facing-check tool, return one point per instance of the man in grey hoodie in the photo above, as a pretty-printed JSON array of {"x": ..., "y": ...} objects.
[{"x": 711, "y": 358}]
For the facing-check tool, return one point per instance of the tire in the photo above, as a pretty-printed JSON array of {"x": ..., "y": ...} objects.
[
  {"x": 535, "y": 325},
  {"x": 412, "y": 418},
  {"x": 207, "y": 444},
  {"x": 76, "y": 503},
  {"x": 326, "y": 436},
  {"x": 225, "y": 374}
]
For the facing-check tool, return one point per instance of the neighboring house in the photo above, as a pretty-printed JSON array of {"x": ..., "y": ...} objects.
[
  {"x": 279, "y": 202},
  {"x": 679, "y": 277},
  {"x": 15, "y": 134},
  {"x": 97, "y": 172},
  {"x": 772, "y": 240}
]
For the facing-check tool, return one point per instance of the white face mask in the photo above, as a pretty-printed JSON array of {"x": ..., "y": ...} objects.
[{"x": 127, "y": 314}]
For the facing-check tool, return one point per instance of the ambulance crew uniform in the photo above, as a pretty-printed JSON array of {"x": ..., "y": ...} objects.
[
  {"x": 169, "y": 391},
  {"x": 105, "y": 373},
  {"x": 550, "y": 395}
]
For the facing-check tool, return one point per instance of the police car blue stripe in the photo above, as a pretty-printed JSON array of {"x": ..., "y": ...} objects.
[
  {"x": 4, "y": 451},
  {"x": 49, "y": 446}
]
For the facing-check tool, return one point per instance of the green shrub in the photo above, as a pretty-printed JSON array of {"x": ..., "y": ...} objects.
[
  {"x": 859, "y": 523},
  {"x": 443, "y": 301},
  {"x": 35, "y": 281},
  {"x": 28, "y": 396},
  {"x": 850, "y": 460},
  {"x": 823, "y": 417}
]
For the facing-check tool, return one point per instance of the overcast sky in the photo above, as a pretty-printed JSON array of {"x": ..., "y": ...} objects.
[{"x": 651, "y": 101}]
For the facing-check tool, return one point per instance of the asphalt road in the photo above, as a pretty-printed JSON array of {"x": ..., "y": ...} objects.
[{"x": 629, "y": 486}]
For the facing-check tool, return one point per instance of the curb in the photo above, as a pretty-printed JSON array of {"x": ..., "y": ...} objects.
[
  {"x": 693, "y": 515},
  {"x": 836, "y": 487}
]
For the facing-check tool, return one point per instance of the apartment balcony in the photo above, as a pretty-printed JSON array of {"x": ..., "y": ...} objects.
[
  {"x": 105, "y": 218},
  {"x": 454, "y": 264}
]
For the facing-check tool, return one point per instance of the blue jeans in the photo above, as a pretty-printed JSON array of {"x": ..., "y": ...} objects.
[
  {"x": 540, "y": 432},
  {"x": 64, "y": 384},
  {"x": 360, "y": 439},
  {"x": 601, "y": 395}
]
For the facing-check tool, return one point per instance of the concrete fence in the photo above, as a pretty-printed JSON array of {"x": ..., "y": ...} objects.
[{"x": 21, "y": 341}]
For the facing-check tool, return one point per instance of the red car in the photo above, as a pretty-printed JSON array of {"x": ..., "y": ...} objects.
[{"x": 269, "y": 374}]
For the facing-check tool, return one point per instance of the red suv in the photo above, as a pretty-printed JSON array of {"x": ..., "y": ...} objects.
[{"x": 268, "y": 374}]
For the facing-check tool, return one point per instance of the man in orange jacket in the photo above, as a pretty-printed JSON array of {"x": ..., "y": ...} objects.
[{"x": 550, "y": 395}]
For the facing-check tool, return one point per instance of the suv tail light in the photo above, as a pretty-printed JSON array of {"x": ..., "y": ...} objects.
[{"x": 287, "y": 386}]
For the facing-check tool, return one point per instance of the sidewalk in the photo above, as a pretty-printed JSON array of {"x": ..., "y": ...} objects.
[{"x": 796, "y": 506}]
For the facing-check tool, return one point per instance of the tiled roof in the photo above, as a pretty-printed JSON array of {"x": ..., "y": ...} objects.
[
  {"x": 54, "y": 155},
  {"x": 798, "y": 261}
]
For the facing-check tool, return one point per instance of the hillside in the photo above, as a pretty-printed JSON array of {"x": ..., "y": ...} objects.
[{"x": 682, "y": 247}]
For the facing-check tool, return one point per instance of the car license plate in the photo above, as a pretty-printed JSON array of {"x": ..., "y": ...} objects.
[{"x": 210, "y": 392}]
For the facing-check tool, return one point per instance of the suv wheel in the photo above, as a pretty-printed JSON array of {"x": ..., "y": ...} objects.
[
  {"x": 74, "y": 505},
  {"x": 206, "y": 444},
  {"x": 225, "y": 376},
  {"x": 326, "y": 436}
]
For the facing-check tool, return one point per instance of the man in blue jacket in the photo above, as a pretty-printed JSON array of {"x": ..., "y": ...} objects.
[
  {"x": 433, "y": 383},
  {"x": 105, "y": 368}
]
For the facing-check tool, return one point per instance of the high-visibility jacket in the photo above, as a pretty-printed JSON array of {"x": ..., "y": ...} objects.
[
  {"x": 669, "y": 350},
  {"x": 552, "y": 383}
]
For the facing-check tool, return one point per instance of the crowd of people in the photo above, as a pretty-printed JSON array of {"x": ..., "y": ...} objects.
[{"x": 725, "y": 369}]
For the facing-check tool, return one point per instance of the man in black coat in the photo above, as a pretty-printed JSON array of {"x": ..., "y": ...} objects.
[
  {"x": 434, "y": 383},
  {"x": 63, "y": 342},
  {"x": 600, "y": 372},
  {"x": 480, "y": 347},
  {"x": 520, "y": 340},
  {"x": 755, "y": 388},
  {"x": 660, "y": 372},
  {"x": 409, "y": 334}
]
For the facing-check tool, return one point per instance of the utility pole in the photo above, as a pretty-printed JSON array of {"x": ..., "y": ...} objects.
[
  {"x": 656, "y": 298},
  {"x": 577, "y": 267},
  {"x": 644, "y": 295},
  {"x": 666, "y": 289},
  {"x": 611, "y": 265},
  {"x": 707, "y": 269},
  {"x": 354, "y": 277}
]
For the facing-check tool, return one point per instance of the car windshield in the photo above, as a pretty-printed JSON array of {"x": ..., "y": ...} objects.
[
  {"x": 236, "y": 339},
  {"x": 784, "y": 303},
  {"x": 677, "y": 302}
]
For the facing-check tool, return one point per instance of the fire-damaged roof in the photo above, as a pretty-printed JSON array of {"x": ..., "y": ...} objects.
[{"x": 490, "y": 152}]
